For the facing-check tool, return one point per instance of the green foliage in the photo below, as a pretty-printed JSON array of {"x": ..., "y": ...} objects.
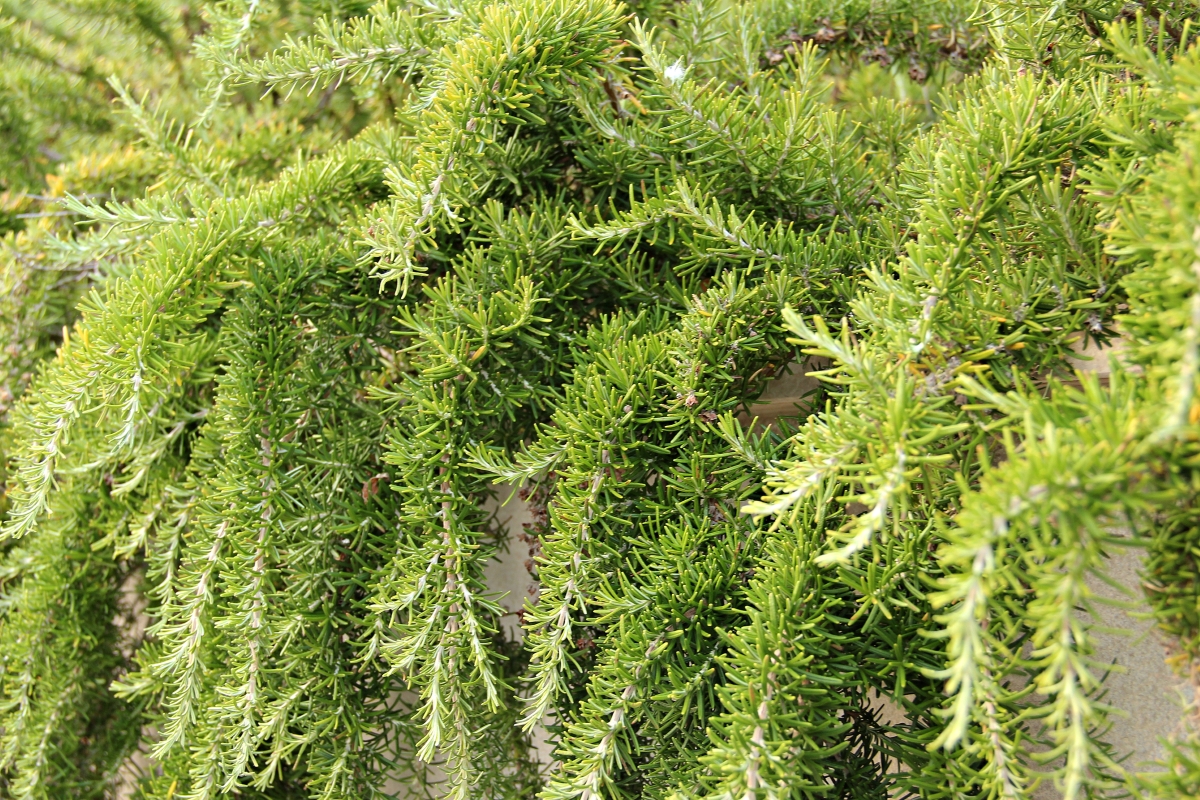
[{"x": 288, "y": 288}]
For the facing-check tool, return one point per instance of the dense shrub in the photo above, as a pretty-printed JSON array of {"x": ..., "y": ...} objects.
[{"x": 286, "y": 297}]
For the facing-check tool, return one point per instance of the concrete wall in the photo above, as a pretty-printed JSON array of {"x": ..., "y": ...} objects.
[{"x": 1141, "y": 685}]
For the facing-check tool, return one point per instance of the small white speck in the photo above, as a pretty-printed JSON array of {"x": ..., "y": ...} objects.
[{"x": 675, "y": 72}]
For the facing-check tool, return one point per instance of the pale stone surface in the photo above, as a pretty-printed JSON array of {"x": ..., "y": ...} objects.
[
  {"x": 1142, "y": 685},
  {"x": 507, "y": 573},
  {"x": 1151, "y": 695}
]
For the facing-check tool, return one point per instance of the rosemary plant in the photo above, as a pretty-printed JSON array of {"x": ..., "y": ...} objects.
[{"x": 290, "y": 291}]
